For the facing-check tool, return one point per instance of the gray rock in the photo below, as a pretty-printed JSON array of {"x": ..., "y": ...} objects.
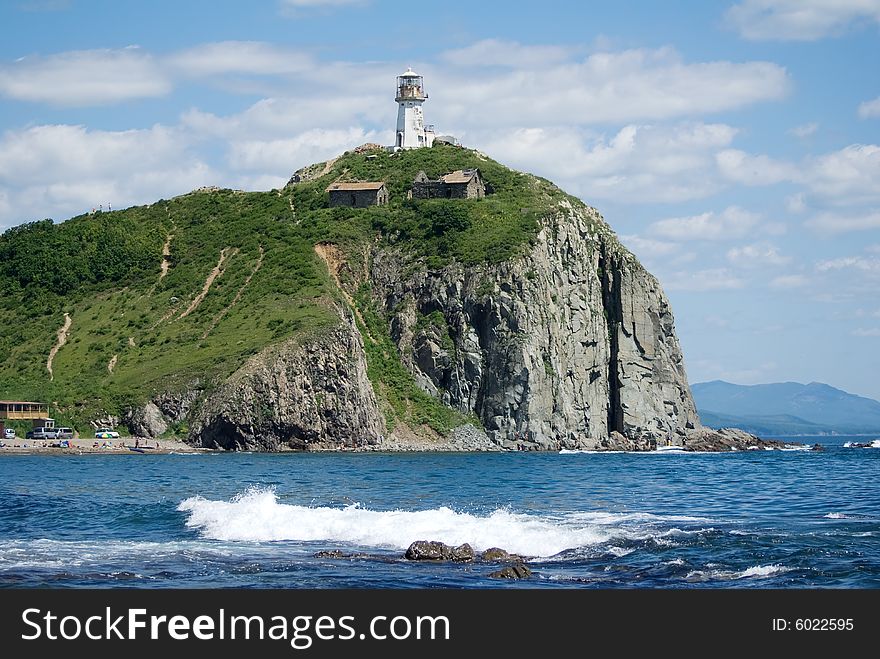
[
  {"x": 433, "y": 550},
  {"x": 292, "y": 395},
  {"x": 428, "y": 550},
  {"x": 462, "y": 554},
  {"x": 147, "y": 421},
  {"x": 518, "y": 571},
  {"x": 495, "y": 554},
  {"x": 554, "y": 349}
]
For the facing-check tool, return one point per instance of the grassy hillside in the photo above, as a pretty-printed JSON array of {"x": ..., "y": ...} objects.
[{"x": 240, "y": 274}]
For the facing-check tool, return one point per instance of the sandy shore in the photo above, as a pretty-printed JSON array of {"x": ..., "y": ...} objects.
[{"x": 84, "y": 445}]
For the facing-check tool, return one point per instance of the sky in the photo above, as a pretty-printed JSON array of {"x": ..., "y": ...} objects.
[{"x": 733, "y": 145}]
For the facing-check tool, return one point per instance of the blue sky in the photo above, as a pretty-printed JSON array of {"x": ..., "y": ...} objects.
[{"x": 733, "y": 145}]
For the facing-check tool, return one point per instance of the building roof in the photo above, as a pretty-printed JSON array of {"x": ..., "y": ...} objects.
[
  {"x": 351, "y": 187},
  {"x": 459, "y": 176},
  {"x": 409, "y": 73},
  {"x": 22, "y": 402}
]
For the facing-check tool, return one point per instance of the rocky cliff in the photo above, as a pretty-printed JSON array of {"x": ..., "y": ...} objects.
[
  {"x": 272, "y": 321},
  {"x": 555, "y": 349}
]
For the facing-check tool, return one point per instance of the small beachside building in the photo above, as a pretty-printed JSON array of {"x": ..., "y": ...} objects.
[
  {"x": 358, "y": 195},
  {"x": 460, "y": 184},
  {"x": 18, "y": 410}
]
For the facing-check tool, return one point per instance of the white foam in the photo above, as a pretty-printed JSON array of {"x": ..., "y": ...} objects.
[
  {"x": 46, "y": 553},
  {"x": 763, "y": 571},
  {"x": 836, "y": 516},
  {"x": 754, "y": 572},
  {"x": 873, "y": 444},
  {"x": 257, "y": 516}
]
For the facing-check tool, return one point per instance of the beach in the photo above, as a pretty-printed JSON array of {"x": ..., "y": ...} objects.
[{"x": 84, "y": 445}]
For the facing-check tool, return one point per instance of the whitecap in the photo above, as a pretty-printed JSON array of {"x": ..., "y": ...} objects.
[{"x": 257, "y": 516}]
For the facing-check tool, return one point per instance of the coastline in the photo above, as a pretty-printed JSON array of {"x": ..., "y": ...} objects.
[{"x": 90, "y": 446}]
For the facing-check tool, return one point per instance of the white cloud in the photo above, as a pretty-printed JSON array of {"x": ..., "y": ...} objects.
[
  {"x": 59, "y": 171},
  {"x": 741, "y": 167},
  {"x": 834, "y": 223},
  {"x": 859, "y": 263},
  {"x": 786, "y": 282},
  {"x": 870, "y": 109},
  {"x": 286, "y": 155},
  {"x": 870, "y": 331},
  {"x": 756, "y": 255},
  {"x": 636, "y": 164},
  {"x": 804, "y": 130},
  {"x": 248, "y": 57},
  {"x": 626, "y": 86},
  {"x": 732, "y": 222},
  {"x": 800, "y": 20},
  {"x": 713, "y": 279},
  {"x": 507, "y": 54},
  {"x": 647, "y": 248},
  {"x": 84, "y": 78},
  {"x": 795, "y": 203},
  {"x": 850, "y": 175}
]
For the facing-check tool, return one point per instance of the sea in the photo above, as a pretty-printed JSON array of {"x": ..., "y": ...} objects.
[{"x": 749, "y": 519}]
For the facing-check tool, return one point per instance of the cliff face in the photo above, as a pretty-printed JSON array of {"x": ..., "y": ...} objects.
[
  {"x": 555, "y": 349},
  {"x": 571, "y": 345},
  {"x": 295, "y": 396}
]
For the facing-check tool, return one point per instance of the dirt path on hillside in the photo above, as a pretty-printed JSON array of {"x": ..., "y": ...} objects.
[
  {"x": 59, "y": 343},
  {"x": 332, "y": 256},
  {"x": 225, "y": 253},
  {"x": 238, "y": 295}
]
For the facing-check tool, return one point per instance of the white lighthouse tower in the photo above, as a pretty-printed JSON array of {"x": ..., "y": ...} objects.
[{"x": 412, "y": 132}]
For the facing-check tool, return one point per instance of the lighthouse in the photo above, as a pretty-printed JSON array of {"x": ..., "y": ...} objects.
[{"x": 412, "y": 132}]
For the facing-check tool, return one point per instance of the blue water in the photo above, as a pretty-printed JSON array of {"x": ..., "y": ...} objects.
[{"x": 754, "y": 519}]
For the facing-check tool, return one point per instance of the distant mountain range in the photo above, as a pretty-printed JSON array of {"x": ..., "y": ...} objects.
[{"x": 785, "y": 408}]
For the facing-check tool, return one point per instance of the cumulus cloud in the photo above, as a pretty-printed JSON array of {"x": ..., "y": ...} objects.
[
  {"x": 64, "y": 170},
  {"x": 252, "y": 57},
  {"x": 859, "y": 263},
  {"x": 831, "y": 223},
  {"x": 713, "y": 279},
  {"x": 740, "y": 167},
  {"x": 756, "y": 255},
  {"x": 733, "y": 222},
  {"x": 85, "y": 78},
  {"x": 846, "y": 177},
  {"x": 799, "y": 20},
  {"x": 787, "y": 282},
  {"x": 870, "y": 109},
  {"x": 287, "y": 154},
  {"x": 636, "y": 164},
  {"x": 804, "y": 130},
  {"x": 850, "y": 175},
  {"x": 608, "y": 87}
]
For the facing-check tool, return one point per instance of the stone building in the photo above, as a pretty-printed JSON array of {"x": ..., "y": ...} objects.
[
  {"x": 460, "y": 184},
  {"x": 358, "y": 195}
]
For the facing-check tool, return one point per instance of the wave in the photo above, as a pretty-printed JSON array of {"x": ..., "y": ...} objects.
[
  {"x": 257, "y": 516},
  {"x": 873, "y": 444},
  {"x": 47, "y": 553},
  {"x": 756, "y": 571},
  {"x": 836, "y": 516}
]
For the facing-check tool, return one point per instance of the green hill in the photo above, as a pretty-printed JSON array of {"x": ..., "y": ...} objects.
[{"x": 241, "y": 273}]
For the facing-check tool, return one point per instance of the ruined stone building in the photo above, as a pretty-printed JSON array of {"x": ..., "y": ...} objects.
[
  {"x": 358, "y": 195},
  {"x": 460, "y": 184}
]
